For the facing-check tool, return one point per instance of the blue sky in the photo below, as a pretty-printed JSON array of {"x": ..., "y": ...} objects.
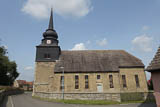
[{"x": 131, "y": 25}]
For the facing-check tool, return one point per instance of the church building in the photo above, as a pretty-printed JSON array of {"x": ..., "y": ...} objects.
[{"x": 85, "y": 74}]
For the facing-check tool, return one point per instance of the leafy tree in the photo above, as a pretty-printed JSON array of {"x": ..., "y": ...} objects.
[
  {"x": 8, "y": 69},
  {"x": 150, "y": 84}
]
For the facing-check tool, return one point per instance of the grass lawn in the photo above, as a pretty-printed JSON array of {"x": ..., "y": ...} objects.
[{"x": 88, "y": 102}]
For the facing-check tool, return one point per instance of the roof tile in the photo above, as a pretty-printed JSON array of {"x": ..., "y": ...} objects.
[
  {"x": 155, "y": 63},
  {"x": 96, "y": 61}
]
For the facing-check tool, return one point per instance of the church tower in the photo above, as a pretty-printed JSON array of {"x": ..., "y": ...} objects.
[
  {"x": 46, "y": 55},
  {"x": 48, "y": 50}
]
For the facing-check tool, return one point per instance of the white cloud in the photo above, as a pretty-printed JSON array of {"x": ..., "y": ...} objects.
[
  {"x": 5, "y": 47},
  {"x": 144, "y": 28},
  {"x": 28, "y": 68},
  {"x": 29, "y": 75},
  {"x": 102, "y": 42},
  {"x": 142, "y": 43},
  {"x": 40, "y": 8},
  {"x": 79, "y": 46}
]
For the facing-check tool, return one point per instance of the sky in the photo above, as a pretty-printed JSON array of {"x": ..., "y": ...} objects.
[{"x": 131, "y": 25}]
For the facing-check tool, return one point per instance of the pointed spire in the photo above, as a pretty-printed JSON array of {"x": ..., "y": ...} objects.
[
  {"x": 51, "y": 20},
  {"x": 50, "y": 32}
]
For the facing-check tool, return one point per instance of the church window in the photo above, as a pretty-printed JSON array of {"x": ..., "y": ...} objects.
[
  {"x": 111, "y": 81},
  {"x": 76, "y": 82},
  {"x": 86, "y": 82},
  {"x": 137, "y": 81},
  {"x": 62, "y": 82},
  {"x": 47, "y": 56},
  {"x": 124, "y": 81},
  {"x": 98, "y": 77}
]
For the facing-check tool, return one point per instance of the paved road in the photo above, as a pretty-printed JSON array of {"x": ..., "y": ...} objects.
[{"x": 25, "y": 100}]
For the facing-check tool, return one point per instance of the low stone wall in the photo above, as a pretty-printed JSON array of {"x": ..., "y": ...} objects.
[
  {"x": 120, "y": 97},
  {"x": 1, "y": 95},
  {"x": 4, "y": 93},
  {"x": 80, "y": 96}
]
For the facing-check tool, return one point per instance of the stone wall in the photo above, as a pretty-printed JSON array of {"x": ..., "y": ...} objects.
[
  {"x": 69, "y": 81},
  {"x": 4, "y": 93},
  {"x": 43, "y": 75},
  {"x": 122, "y": 97},
  {"x": 130, "y": 80},
  {"x": 81, "y": 96},
  {"x": 46, "y": 81}
]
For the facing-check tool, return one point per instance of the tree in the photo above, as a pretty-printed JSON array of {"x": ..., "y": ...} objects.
[
  {"x": 150, "y": 84},
  {"x": 8, "y": 69}
]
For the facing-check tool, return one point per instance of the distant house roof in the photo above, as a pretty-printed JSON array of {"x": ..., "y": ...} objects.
[
  {"x": 155, "y": 63},
  {"x": 24, "y": 82},
  {"x": 29, "y": 83},
  {"x": 96, "y": 61},
  {"x": 21, "y": 82}
]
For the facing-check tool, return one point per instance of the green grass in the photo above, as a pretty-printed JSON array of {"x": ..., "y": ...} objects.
[{"x": 90, "y": 102}]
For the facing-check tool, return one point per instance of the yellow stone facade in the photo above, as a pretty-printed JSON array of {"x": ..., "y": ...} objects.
[
  {"x": 130, "y": 80},
  {"x": 48, "y": 81}
]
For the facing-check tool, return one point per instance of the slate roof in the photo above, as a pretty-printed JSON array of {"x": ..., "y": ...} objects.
[
  {"x": 155, "y": 63},
  {"x": 96, "y": 61}
]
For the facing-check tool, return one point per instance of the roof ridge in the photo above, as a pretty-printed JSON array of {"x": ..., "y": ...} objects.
[{"x": 92, "y": 50}]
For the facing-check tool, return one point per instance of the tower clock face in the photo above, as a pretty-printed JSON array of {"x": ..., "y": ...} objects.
[{"x": 48, "y": 41}]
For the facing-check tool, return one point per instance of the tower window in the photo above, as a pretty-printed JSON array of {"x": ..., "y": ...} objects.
[
  {"x": 124, "y": 81},
  {"x": 86, "y": 82},
  {"x": 76, "y": 82},
  {"x": 98, "y": 77},
  {"x": 47, "y": 56},
  {"x": 137, "y": 81},
  {"x": 111, "y": 81}
]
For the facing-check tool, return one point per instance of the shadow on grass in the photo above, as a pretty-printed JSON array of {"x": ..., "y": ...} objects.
[{"x": 149, "y": 102}]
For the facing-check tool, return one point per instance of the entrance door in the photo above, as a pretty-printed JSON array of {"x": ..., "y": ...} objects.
[{"x": 99, "y": 87}]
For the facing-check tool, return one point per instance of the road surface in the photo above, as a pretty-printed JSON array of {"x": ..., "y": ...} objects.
[{"x": 26, "y": 100}]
